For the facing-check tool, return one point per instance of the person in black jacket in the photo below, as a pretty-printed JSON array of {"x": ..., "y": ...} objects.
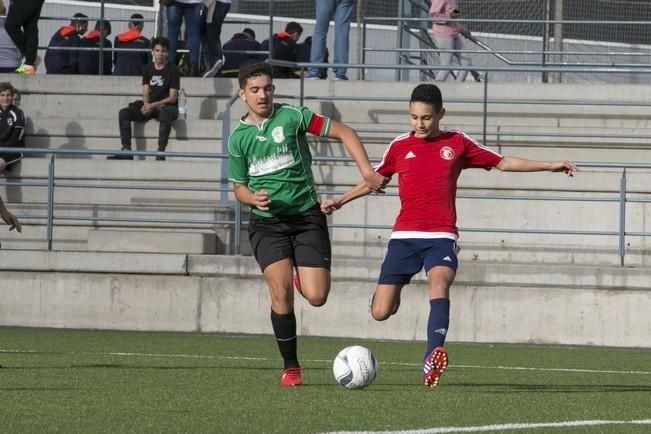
[
  {"x": 243, "y": 41},
  {"x": 284, "y": 48},
  {"x": 161, "y": 81},
  {"x": 12, "y": 127},
  {"x": 89, "y": 60},
  {"x": 59, "y": 61},
  {"x": 131, "y": 63}
]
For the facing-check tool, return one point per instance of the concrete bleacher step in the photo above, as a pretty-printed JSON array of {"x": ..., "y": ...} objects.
[
  {"x": 149, "y": 241},
  {"x": 108, "y": 127},
  {"x": 204, "y": 170}
]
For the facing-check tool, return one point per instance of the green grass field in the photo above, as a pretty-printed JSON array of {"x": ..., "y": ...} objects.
[{"x": 73, "y": 381}]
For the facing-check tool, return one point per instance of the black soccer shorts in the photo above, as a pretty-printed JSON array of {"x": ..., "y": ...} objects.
[{"x": 303, "y": 237}]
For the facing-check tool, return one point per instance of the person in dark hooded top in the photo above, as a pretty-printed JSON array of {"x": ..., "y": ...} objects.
[
  {"x": 58, "y": 61},
  {"x": 89, "y": 60},
  {"x": 243, "y": 41},
  {"x": 126, "y": 63},
  {"x": 284, "y": 48}
]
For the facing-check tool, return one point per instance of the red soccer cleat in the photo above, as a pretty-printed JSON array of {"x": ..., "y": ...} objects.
[
  {"x": 435, "y": 364},
  {"x": 291, "y": 377}
]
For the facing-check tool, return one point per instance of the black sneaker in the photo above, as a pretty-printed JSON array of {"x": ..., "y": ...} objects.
[
  {"x": 160, "y": 158},
  {"x": 120, "y": 157}
]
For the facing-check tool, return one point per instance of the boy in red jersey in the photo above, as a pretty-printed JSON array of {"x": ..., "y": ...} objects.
[{"x": 429, "y": 162}]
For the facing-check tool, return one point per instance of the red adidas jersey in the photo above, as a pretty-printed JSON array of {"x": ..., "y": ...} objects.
[{"x": 428, "y": 170}]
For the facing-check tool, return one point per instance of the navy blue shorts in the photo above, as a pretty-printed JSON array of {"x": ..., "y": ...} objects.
[{"x": 406, "y": 257}]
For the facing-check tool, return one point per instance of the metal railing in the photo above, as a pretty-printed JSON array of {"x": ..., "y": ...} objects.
[{"x": 237, "y": 222}]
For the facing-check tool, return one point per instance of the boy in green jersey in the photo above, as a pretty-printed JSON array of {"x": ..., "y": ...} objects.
[{"x": 270, "y": 167}]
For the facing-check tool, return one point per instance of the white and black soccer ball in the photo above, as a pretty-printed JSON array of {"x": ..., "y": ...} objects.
[{"x": 355, "y": 367}]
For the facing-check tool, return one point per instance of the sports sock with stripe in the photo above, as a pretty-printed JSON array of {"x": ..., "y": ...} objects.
[
  {"x": 284, "y": 326},
  {"x": 437, "y": 323}
]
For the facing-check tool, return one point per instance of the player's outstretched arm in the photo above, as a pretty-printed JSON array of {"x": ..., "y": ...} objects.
[
  {"x": 515, "y": 164},
  {"x": 330, "y": 205},
  {"x": 354, "y": 146},
  {"x": 259, "y": 199},
  {"x": 9, "y": 218}
]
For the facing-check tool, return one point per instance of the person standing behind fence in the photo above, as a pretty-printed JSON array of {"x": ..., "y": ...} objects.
[
  {"x": 190, "y": 11},
  {"x": 61, "y": 61},
  {"x": 342, "y": 12},
  {"x": 22, "y": 26},
  {"x": 10, "y": 57},
  {"x": 89, "y": 60},
  {"x": 126, "y": 63},
  {"x": 447, "y": 37},
  {"x": 214, "y": 14}
]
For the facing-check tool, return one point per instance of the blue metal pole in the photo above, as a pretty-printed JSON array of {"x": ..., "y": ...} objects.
[
  {"x": 50, "y": 202},
  {"x": 622, "y": 218}
]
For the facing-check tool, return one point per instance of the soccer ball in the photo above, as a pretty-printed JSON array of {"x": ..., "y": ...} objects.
[{"x": 355, "y": 367}]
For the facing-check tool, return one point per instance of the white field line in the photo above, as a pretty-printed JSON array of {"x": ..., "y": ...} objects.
[
  {"x": 506, "y": 426},
  {"x": 198, "y": 356}
]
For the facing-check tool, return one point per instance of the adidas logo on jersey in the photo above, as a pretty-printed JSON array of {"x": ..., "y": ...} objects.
[
  {"x": 447, "y": 258},
  {"x": 410, "y": 155}
]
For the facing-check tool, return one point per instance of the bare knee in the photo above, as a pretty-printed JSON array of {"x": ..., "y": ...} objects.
[
  {"x": 378, "y": 314},
  {"x": 316, "y": 300}
]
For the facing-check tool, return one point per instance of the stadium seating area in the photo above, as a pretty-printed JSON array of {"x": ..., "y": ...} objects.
[{"x": 152, "y": 261}]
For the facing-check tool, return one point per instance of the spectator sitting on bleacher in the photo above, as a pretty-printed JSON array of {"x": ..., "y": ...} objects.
[
  {"x": 12, "y": 127},
  {"x": 284, "y": 48},
  {"x": 89, "y": 60},
  {"x": 59, "y": 61},
  {"x": 303, "y": 52},
  {"x": 10, "y": 57},
  {"x": 161, "y": 81},
  {"x": 131, "y": 63},
  {"x": 243, "y": 41},
  {"x": 16, "y": 98}
]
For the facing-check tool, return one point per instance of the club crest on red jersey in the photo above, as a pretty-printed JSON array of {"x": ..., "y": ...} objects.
[{"x": 447, "y": 153}]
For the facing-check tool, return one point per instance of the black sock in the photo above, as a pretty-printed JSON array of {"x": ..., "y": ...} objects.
[{"x": 285, "y": 331}]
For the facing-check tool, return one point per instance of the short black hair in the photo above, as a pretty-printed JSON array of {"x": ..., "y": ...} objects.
[
  {"x": 294, "y": 27},
  {"x": 249, "y": 32},
  {"x": 79, "y": 18},
  {"x": 107, "y": 26},
  {"x": 251, "y": 69},
  {"x": 162, "y": 41},
  {"x": 429, "y": 94}
]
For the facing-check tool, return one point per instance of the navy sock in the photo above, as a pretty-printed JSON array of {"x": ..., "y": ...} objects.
[
  {"x": 437, "y": 323},
  {"x": 285, "y": 331}
]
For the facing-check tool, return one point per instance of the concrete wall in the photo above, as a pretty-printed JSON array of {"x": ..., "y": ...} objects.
[{"x": 491, "y": 302}]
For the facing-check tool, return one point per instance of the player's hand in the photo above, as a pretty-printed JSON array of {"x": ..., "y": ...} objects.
[
  {"x": 329, "y": 206},
  {"x": 567, "y": 167},
  {"x": 11, "y": 220},
  {"x": 146, "y": 108},
  {"x": 375, "y": 181},
  {"x": 261, "y": 200}
]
